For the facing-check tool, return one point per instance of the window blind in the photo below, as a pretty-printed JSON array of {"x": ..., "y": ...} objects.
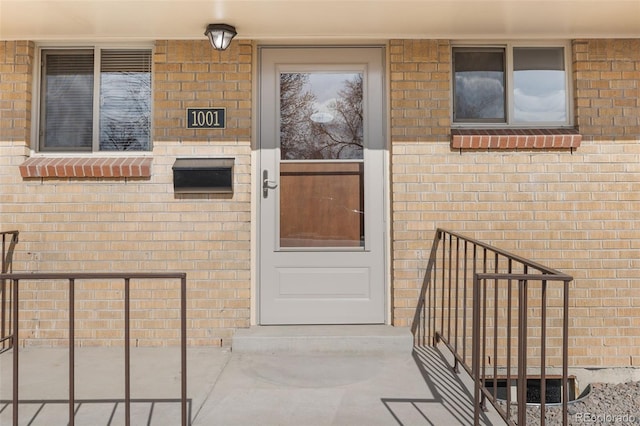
[
  {"x": 125, "y": 61},
  {"x": 536, "y": 59},
  {"x": 480, "y": 59},
  {"x": 68, "y": 93}
]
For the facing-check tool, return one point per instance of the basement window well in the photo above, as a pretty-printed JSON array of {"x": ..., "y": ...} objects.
[{"x": 534, "y": 390}]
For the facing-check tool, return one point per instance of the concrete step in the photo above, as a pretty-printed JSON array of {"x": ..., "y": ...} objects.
[{"x": 323, "y": 338}]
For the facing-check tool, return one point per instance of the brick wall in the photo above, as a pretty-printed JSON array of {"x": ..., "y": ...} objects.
[
  {"x": 16, "y": 59},
  {"x": 577, "y": 212},
  {"x": 190, "y": 74},
  {"x": 16, "y": 63},
  {"x": 420, "y": 91},
  {"x": 607, "y": 73},
  {"x": 137, "y": 224}
]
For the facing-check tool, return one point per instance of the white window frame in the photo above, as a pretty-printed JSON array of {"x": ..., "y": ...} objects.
[
  {"x": 36, "y": 108},
  {"x": 508, "y": 47}
]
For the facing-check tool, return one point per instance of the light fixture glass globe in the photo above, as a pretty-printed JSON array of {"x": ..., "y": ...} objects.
[{"x": 220, "y": 35}]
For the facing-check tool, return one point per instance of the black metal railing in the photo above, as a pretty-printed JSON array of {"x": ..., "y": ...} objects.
[
  {"x": 503, "y": 317},
  {"x": 71, "y": 279},
  {"x": 9, "y": 241}
]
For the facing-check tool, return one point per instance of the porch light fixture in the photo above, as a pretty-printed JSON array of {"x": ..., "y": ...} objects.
[{"x": 220, "y": 35}]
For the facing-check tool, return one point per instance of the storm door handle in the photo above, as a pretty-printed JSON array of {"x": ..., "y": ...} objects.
[{"x": 267, "y": 184}]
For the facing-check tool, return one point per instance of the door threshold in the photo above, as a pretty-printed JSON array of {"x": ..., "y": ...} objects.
[{"x": 377, "y": 338}]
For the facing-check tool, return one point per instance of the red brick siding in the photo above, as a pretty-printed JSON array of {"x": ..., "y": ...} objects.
[
  {"x": 515, "y": 139},
  {"x": 37, "y": 167}
]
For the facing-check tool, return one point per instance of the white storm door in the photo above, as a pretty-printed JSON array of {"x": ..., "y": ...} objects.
[{"x": 322, "y": 179}]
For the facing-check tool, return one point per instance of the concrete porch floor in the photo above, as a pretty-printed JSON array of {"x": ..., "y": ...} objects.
[{"x": 227, "y": 388}]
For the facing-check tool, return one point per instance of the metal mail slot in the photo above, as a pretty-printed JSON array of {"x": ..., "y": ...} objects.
[{"x": 203, "y": 175}]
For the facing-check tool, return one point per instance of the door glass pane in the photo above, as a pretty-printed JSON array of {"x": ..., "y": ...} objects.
[{"x": 322, "y": 168}]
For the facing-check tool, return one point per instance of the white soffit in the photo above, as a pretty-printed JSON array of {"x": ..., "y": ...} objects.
[{"x": 43, "y": 20}]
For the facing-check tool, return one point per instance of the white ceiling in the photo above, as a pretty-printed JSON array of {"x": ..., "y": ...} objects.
[{"x": 305, "y": 20}]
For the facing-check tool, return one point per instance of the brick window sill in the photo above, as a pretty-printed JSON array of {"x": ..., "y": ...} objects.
[
  {"x": 515, "y": 139},
  {"x": 71, "y": 167}
]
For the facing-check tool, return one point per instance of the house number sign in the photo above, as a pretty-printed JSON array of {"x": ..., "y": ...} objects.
[{"x": 206, "y": 118}]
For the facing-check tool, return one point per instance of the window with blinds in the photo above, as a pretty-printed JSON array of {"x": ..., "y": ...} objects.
[
  {"x": 510, "y": 85},
  {"x": 70, "y": 117},
  {"x": 67, "y": 101},
  {"x": 539, "y": 79},
  {"x": 479, "y": 84}
]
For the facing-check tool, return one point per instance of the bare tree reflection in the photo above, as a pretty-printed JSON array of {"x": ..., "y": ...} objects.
[
  {"x": 339, "y": 135},
  {"x": 125, "y": 113},
  {"x": 296, "y": 106}
]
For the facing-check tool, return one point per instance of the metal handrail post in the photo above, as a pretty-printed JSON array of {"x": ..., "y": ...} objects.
[
  {"x": 127, "y": 353},
  {"x": 509, "y": 319},
  {"x": 476, "y": 350},
  {"x": 6, "y": 265},
  {"x": 543, "y": 355},
  {"x": 3, "y": 252},
  {"x": 72, "y": 355},
  {"x": 14, "y": 343},
  {"x": 183, "y": 348},
  {"x": 522, "y": 353},
  {"x": 455, "y": 315},
  {"x": 3, "y": 325},
  {"x": 565, "y": 356}
]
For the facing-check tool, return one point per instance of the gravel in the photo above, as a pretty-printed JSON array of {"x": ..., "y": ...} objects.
[{"x": 606, "y": 404}]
